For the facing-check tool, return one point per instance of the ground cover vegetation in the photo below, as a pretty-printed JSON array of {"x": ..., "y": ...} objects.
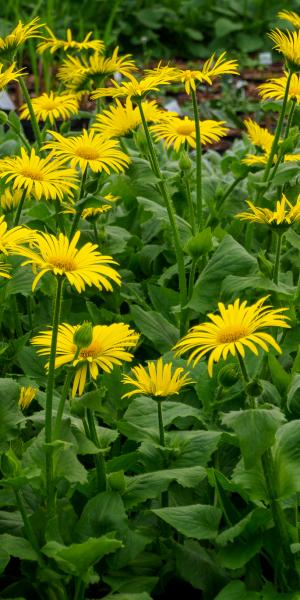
[{"x": 150, "y": 363}]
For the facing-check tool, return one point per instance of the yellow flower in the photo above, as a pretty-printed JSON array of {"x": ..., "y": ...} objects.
[
  {"x": 8, "y": 75},
  {"x": 42, "y": 177},
  {"x": 27, "y": 394},
  {"x": 51, "y": 106},
  {"x": 157, "y": 379},
  {"x": 96, "y": 209},
  {"x": 284, "y": 215},
  {"x": 175, "y": 131},
  {"x": 259, "y": 136},
  {"x": 236, "y": 326},
  {"x": 14, "y": 40},
  {"x": 135, "y": 88},
  {"x": 120, "y": 120},
  {"x": 211, "y": 69},
  {"x": 109, "y": 347},
  {"x": 287, "y": 44},
  {"x": 4, "y": 268},
  {"x": 78, "y": 74},
  {"x": 89, "y": 150},
  {"x": 11, "y": 240},
  {"x": 52, "y": 43},
  {"x": 275, "y": 88},
  {"x": 290, "y": 16},
  {"x": 10, "y": 199},
  {"x": 81, "y": 267}
]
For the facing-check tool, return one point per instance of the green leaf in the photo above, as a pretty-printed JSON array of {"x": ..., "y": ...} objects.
[
  {"x": 230, "y": 258},
  {"x": 197, "y": 521},
  {"x": 199, "y": 567},
  {"x": 225, "y": 26},
  {"x": 10, "y": 414},
  {"x": 77, "y": 558},
  {"x": 285, "y": 173},
  {"x": 236, "y": 555},
  {"x": 293, "y": 394},
  {"x": 255, "y": 429},
  {"x": 287, "y": 459},
  {"x": 193, "y": 447},
  {"x": 236, "y": 590},
  {"x": 128, "y": 596},
  {"x": 155, "y": 328},
  {"x": 254, "y": 521},
  {"x": 151, "y": 485},
  {"x": 103, "y": 513},
  {"x": 280, "y": 377},
  {"x": 17, "y": 547}
]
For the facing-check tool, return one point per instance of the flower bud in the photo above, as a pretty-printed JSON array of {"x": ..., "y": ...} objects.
[
  {"x": 199, "y": 244},
  {"x": 3, "y": 117},
  {"x": 84, "y": 335},
  {"x": 228, "y": 376},
  {"x": 117, "y": 481},
  {"x": 185, "y": 163},
  {"x": 10, "y": 464},
  {"x": 254, "y": 388}
]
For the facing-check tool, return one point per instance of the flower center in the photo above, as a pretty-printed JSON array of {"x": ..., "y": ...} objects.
[
  {"x": 185, "y": 128},
  {"x": 231, "y": 333},
  {"x": 92, "y": 351},
  {"x": 87, "y": 152},
  {"x": 63, "y": 263},
  {"x": 50, "y": 104},
  {"x": 32, "y": 174}
]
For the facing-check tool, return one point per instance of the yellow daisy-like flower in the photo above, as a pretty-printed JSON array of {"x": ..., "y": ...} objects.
[
  {"x": 51, "y": 106},
  {"x": 11, "y": 240},
  {"x": 287, "y": 44},
  {"x": 275, "y": 88},
  {"x": 236, "y": 327},
  {"x": 135, "y": 88},
  {"x": 290, "y": 16},
  {"x": 52, "y": 43},
  {"x": 259, "y": 136},
  {"x": 89, "y": 150},
  {"x": 78, "y": 73},
  {"x": 157, "y": 379},
  {"x": 175, "y": 131},
  {"x": 284, "y": 215},
  {"x": 109, "y": 347},
  {"x": 14, "y": 40},
  {"x": 27, "y": 394},
  {"x": 211, "y": 70},
  {"x": 42, "y": 177},
  {"x": 10, "y": 199},
  {"x": 257, "y": 160},
  {"x": 60, "y": 256},
  {"x": 8, "y": 75},
  {"x": 96, "y": 209},
  {"x": 121, "y": 120},
  {"x": 4, "y": 270}
]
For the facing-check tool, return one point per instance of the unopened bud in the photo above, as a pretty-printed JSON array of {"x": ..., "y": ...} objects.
[
  {"x": 254, "y": 388},
  {"x": 200, "y": 244},
  {"x": 84, "y": 335},
  {"x": 3, "y": 117},
  {"x": 228, "y": 376},
  {"x": 117, "y": 481},
  {"x": 185, "y": 163}
]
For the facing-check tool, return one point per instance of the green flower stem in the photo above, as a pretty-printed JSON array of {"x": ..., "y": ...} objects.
[
  {"x": 198, "y": 161},
  {"x": 286, "y": 133},
  {"x": 274, "y": 148},
  {"x": 99, "y": 458},
  {"x": 59, "y": 217},
  {"x": 19, "y": 209},
  {"x": 172, "y": 218},
  {"x": 243, "y": 368},
  {"x": 277, "y": 258},
  {"x": 19, "y": 134},
  {"x": 192, "y": 277},
  {"x": 35, "y": 125},
  {"x": 79, "y": 212},
  {"x": 164, "y": 495},
  {"x": 94, "y": 223},
  {"x": 229, "y": 190},
  {"x": 278, "y": 513},
  {"x": 27, "y": 525},
  {"x": 49, "y": 395},
  {"x": 17, "y": 319},
  {"x": 190, "y": 203},
  {"x": 79, "y": 589},
  {"x": 62, "y": 402}
]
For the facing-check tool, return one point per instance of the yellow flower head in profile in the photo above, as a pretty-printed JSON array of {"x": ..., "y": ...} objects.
[
  {"x": 275, "y": 88},
  {"x": 287, "y": 44},
  {"x": 175, "y": 131},
  {"x": 14, "y": 40},
  {"x": 4, "y": 270},
  {"x": 89, "y": 150},
  {"x": 96, "y": 209},
  {"x": 41, "y": 177},
  {"x": 236, "y": 327},
  {"x": 79, "y": 74},
  {"x": 211, "y": 70},
  {"x": 51, "y": 106},
  {"x": 109, "y": 347},
  {"x": 60, "y": 256},
  {"x": 27, "y": 394},
  {"x": 290, "y": 16},
  {"x": 259, "y": 136},
  {"x": 10, "y": 199},
  {"x": 8, "y": 75},
  {"x": 11, "y": 240},
  {"x": 157, "y": 379},
  {"x": 284, "y": 215},
  {"x": 119, "y": 120},
  {"x": 135, "y": 88},
  {"x": 53, "y": 44}
]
